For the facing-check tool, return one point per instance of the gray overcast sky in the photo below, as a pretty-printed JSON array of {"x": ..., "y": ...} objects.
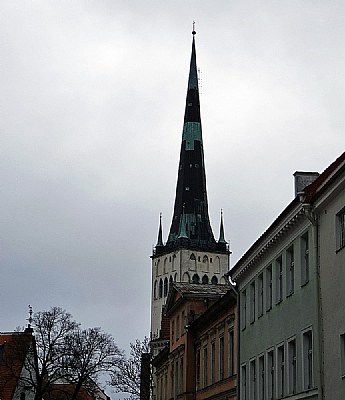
[{"x": 92, "y": 102}]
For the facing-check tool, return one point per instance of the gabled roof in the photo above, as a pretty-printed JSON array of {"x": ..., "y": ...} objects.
[
  {"x": 314, "y": 190},
  {"x": 14, "y": 348},
  {"x": 194, "y": 290},
  {"x": 290, "y": 214}
]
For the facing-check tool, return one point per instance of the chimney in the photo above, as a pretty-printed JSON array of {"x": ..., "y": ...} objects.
[{"x": 303, "y": 179}]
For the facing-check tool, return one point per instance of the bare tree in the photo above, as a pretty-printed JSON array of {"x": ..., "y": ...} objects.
[
  {"x": 57, "y": 352},
  {"x": 126, "y": 378},
  {"x": 89, "y": 353}
]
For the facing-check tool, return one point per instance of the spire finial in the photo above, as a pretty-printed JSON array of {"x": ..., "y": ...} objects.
[
  {"x": 160, "y": 233},
  {"x": 193, "y": 31},
  {"x": 221, "y": 230}
]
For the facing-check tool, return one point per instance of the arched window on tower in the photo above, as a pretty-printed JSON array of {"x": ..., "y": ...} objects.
[
  {"x": 205, "y": 279},
  {"x": 170, "y": 282},
  {"x": 192, "y": 261},
  {"x": 214, "y": 280},
  {"x": 165, "y": 287},
  {"x": 205, "y": 263},
  {"x": 160, "y": 290},
  {"x": 196, "y": 278}
]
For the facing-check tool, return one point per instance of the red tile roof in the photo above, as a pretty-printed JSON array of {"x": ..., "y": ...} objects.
[{"x": 14, "y": 347}]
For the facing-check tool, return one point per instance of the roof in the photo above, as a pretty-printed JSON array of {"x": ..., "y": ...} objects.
[
  {"x": 293, "y": 211},
  {"x": 14, "y": 347},
  {"x": 195, "y": 290},
  {"x": 314, "y": 190}
]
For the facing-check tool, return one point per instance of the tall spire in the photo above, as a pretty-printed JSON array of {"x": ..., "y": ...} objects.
[{"x": 191, "y": 208}]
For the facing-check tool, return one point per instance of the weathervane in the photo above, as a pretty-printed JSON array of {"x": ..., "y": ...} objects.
[{"x": 193, "y": 32}]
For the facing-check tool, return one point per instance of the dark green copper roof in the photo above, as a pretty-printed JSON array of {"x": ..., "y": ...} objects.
[{"x": 190, "y": 227}]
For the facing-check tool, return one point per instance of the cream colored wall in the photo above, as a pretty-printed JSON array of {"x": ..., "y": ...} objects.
[{"x": 181, "y": 268}]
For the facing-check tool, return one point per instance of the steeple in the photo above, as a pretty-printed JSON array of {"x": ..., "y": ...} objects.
[{"x": 190, "y": 224}]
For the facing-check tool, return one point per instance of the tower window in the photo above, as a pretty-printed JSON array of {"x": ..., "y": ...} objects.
[
  {"x": 205, "y": 279},
  {"x": 165, "y": 287},
  {"x": 195, "y": 278},
  {"x": 160, "y": 290}
]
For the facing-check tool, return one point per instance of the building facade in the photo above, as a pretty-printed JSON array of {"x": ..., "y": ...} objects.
[
  {"x": 291, "y": 333},
  {"x": 200, "y": 360}
]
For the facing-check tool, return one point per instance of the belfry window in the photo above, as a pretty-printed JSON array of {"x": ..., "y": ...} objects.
[
  {"x": 160, "y": 290},
  {"x": 165, "y": 287}
]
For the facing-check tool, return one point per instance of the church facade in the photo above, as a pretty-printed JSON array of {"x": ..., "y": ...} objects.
[{"x": 191, "y": 254}]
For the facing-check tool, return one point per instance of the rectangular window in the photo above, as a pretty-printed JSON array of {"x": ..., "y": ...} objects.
[
  {"x": 197, "y": 369},
  {"x": 261, "y": 378},
  {"x": 177, "y": 327},
  {"x": 213, "y": 362},
  {"x": 342, "y": 354},
  {"x": 269, "y": 289},
  {"x": 172, "y": 376},
  {"x": 244, "y": 382},
  {"x": 340, "y": 229},
  {"x": 270, "y": 375},
  {"x": 252, "y": 302},
  {"x": 252, "y": 388},
  {"x": 221, "y": 358},
  {"x": 172, "y": 331},
  {"x": 244, "y": 309},
  {"x": 176, "y": 379},
  {"x": 292, "y": 366},
  {"x": 308, "y": 359},
  {"x": 280, "y": 371},
  {"x": 290, "y": 271},
  {"x": 305, "y": 259},
  {"x": 231, "y": 352},
  {"x": 181, "y": 376},
  {"x": 183, "y": 323},
  {"x": 260, "y": 295},
  {"x": 279, "y": 279},
  {"x": 205, "y": 366}
]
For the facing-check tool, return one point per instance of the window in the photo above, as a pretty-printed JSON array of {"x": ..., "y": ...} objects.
[
  {"x": 181, "y": 376},
  {"x": 165, "y": 287},
  {"x": 221, "y": 358},
  {"x": 305, "y": 259},
  {"x": 205, "y": 279},
  {"x": 279, "y": 279},
  {"x": 290, "y": 271},
  {"x": 198, "y": 369},
  {"x": 261, "y": 378},
  {"x": 160, "y": 289},
  {"x": 177, "y": 383},
  {"x": 252, "y": 388},
  {"x": 177, "y": 327},
  {"x": 260, "y": 295},
  {"x": 244, "y": 382},
  {"x": 205, "y": 366},
  {"x": 281, "y": 371},
  {"x": 214, "y": 280},
  {"x": 195, "y": 278},
  {"x": 270, "y": 375},
  {"x": 342, "y": 354},
  {"x": 172, "y": 331},
  {"x": 307, "y": 359},
  {"x": 213, "y": 362},
  {"x": 231, "y": 352},
  {"x": 292, "y": 366},
  {"x": 244, "y": 309},
  {"x": 340, "y": 229},
  {"x": 252, "y": 302},
  {"x": 269, "y": 292}
]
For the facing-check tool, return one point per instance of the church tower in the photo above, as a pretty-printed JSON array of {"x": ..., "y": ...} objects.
[{"x": 191, "y": 253}]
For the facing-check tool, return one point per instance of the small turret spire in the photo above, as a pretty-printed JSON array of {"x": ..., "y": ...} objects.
[
  {"x": 221, "y": 230},
  {"x": 160, "y": 233}
]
